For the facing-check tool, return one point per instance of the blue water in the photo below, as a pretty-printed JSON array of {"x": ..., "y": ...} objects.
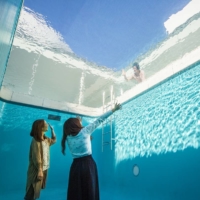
[
  {"x": 164, "y": 119},
  {"x": 158, "y": 131}
]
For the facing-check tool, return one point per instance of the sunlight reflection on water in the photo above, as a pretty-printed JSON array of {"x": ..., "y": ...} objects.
[{"x": 164, "y": 119}]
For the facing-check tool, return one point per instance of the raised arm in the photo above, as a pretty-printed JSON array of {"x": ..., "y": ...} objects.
[
  {"x": 127, "y": 78},
  {"x": 53, "y": 135},
  {"x": 91, "y": 127}
]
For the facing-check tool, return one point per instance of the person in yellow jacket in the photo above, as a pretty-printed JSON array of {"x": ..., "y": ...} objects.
[{"x": 39, "y": 159}]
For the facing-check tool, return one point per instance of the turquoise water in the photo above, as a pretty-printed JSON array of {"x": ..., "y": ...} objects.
[
  {"x": 163, "y": 119},
  {"x": 158, "y": 131}
]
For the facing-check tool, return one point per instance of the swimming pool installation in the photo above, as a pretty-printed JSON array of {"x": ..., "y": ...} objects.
[{"x": 154, "y": 149}]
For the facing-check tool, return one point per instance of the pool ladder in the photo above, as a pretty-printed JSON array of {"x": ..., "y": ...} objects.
[{"x": 108, "y": 121}]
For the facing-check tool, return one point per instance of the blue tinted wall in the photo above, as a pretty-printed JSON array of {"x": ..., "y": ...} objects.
[
  {"x": 9, "y": 15},
  {"x": 158, "y": 131},
  {"x": 15, "y": 125}
]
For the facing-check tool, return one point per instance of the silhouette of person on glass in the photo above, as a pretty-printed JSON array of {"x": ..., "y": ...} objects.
[
  {"x": 138, "y": 74},
  {"x": 83, "y": 177}
]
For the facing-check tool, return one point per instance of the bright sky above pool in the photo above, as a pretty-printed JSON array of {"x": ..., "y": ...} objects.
[{"x": 111, "y": 33}]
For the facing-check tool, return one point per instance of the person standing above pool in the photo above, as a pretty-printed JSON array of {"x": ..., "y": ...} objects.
[
  {"x": 83, "y": 177},
  {"x": 39, "y": 158},
  {"x": 138, "y": 74}
]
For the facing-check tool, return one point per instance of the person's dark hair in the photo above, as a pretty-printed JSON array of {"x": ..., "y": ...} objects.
[
  {"x": 36, "y": 130},
  {"x": 72, "y": 126},
  {"x": 135, "y": 64}
]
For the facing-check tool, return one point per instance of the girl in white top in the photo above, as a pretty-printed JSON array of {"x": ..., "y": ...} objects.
[{"x": 83, "y": 177}]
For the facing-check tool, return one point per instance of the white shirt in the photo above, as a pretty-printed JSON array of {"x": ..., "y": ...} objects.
[{"x": 80, "y": 144}]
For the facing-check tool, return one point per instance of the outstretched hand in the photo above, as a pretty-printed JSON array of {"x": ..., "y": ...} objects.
[{"x": 116, "y": 107}]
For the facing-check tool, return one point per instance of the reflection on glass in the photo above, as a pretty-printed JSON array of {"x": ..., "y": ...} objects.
[
  {"x": 137, "y": 73},
  {"x": 34, "y": 70},
  {"x": 104, "y": 42},
  {"x": 164, "y": 119}
]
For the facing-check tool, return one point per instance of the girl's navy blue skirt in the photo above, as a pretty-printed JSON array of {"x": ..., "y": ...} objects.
[{"x": 83, "y": 180}]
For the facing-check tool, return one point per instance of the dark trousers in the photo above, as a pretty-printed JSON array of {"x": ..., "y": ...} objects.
[{"x": 83, "y": 180}]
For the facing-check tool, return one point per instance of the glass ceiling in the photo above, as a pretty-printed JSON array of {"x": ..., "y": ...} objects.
[{"x": 74, "y": 52}]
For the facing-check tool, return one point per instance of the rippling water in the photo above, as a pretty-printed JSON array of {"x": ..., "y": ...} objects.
[
  {"x": 164, "y": 119},
  {"x": 45, "y": 51}
]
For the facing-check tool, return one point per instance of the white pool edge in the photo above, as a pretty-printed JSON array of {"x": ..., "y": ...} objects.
[{"x": 170, "y": 70}]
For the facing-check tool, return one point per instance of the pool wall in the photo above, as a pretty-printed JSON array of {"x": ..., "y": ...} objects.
[{"x": 166, "y": 150}]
